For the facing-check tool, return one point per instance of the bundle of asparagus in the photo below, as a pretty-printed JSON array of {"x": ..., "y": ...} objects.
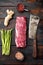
[{"x": 6, "y": 41}]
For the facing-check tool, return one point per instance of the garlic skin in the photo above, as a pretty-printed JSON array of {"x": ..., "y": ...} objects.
[{"x": 8, "y": 17}]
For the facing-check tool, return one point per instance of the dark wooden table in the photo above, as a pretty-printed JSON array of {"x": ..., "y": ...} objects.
[{"x": 29, "y": 60}]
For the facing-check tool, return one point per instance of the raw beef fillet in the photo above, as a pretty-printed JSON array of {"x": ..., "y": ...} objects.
[{"x": 20, "y": 32}]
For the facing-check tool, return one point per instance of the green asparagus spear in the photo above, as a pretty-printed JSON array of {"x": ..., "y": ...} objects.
[{"x": 6, "y": 41}]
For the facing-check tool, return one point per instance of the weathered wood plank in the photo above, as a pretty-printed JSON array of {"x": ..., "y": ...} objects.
[
  {"x": 28, "y": 56},
  {"x": 3, "y": 12},
  {"x": 11, "y": 58},
  {"x": 27, "y": 14},
  {"x": 40, "y": 51},
  {"x": 24, "y": 64},
  {"x": 9, "y": 2},
  {"x": 15, "y": 2}
]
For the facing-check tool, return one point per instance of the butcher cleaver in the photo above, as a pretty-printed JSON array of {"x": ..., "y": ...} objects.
[{"x": 33, "y": 24}]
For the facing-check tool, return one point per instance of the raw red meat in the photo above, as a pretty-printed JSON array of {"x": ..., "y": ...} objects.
[{"x": 20, "y": 32}]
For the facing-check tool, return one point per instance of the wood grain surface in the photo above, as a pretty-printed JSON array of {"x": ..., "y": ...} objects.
[{"x": 28, "y": 51}]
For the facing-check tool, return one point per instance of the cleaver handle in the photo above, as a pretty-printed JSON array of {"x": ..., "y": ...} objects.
[{"x": 34, "y": 49}]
